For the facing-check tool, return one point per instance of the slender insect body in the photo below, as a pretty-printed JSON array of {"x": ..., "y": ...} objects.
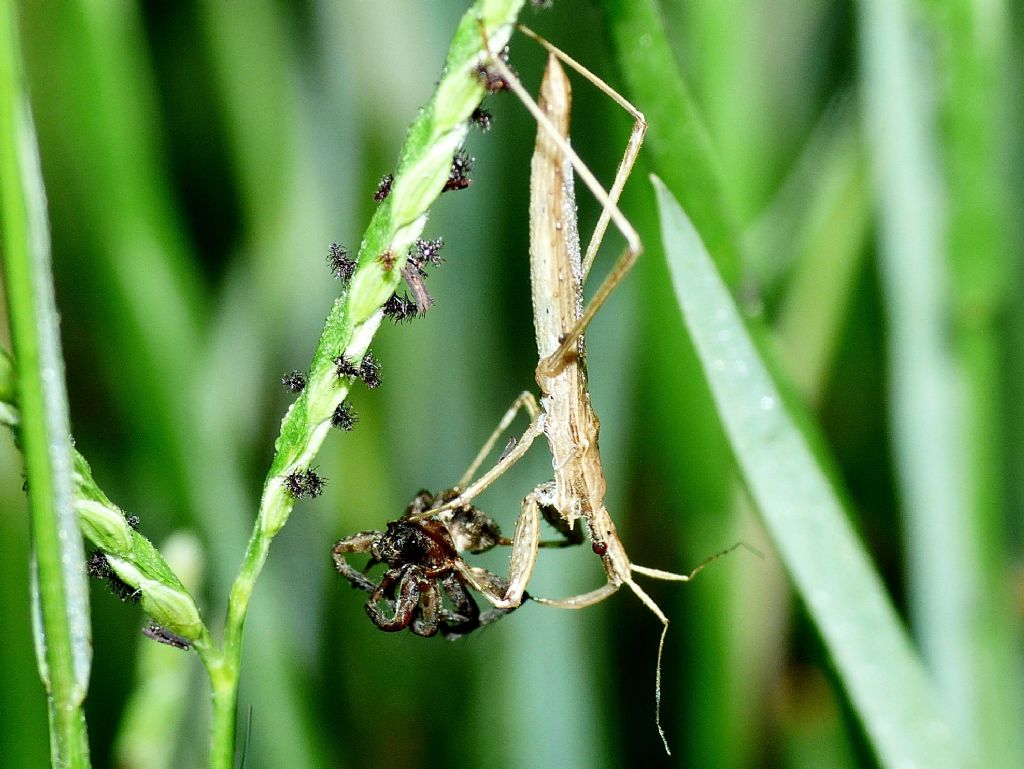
[
  {"x": 571, "y": 425},
  {"x": 563, "y": 414}
]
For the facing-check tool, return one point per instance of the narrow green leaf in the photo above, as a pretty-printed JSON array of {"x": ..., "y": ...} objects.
[
  {"x": 62, "y": 605},
  {"x": 882, "y": 673},
  {"x": 678, "y": 144},
  {"x": 934, "y": 93}
]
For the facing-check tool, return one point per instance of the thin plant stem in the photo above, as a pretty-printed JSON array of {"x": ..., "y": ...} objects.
[
  {"x": 61, "y": 600},
  {"x": 424, "y": 165}
]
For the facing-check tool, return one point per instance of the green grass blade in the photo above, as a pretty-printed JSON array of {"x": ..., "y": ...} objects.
[
  {"x": 678, "y": 145},
  {"x": 62, "y": 608},
  {"x": 882, "y": 674},
  {"x": 933, "y": 105}
]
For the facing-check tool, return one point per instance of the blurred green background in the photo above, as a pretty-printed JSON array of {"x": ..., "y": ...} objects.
[{"x": 199, "y": 159}]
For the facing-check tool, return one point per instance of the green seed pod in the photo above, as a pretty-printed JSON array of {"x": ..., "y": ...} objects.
[
  {"x": 169, "y": 605},
  {"x": 104, "y": 526}
]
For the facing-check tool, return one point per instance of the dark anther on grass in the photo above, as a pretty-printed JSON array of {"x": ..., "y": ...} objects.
[
  {"x": 400, "y": 308},
  {"x": 489, "y": 77},
  {"x": 345, "y": 367},
  {"x": 414, "y": 280},
  {"x": 98, "y": 567},
  {"x": 458, "y": 177},
  {"x": 305, "y": 484},
  {"x": 482, "y": 119},
  {"x": 314, "y": 483},
  {"x": 344, "y": 417},
  {"x": 132, "y": 521},
  {"x": 295, "y": 484},
  {"x": 342, "y": 266},
  {"x": 294, "y": 381},
  {"x": 387, "y": 261},
  {"x": 162, "y": 635},
  {"x": 369, "y": 371},
  {"x": 426, "y": 252},
  {"x": 383, "y": 187}
]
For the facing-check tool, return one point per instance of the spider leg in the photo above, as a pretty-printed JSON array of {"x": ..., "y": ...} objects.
[
  {"x": 466, "y": 615},
  {"x": 496, "y": 585},
  {"x": 357, "y": 543},
  {"x": 411, "y": 584},
  {"x": 425, "y": 620}
]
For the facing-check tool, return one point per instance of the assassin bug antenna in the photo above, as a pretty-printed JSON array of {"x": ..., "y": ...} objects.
[
  {"x": 384, "y": 187},
  {"x": 343, "y": 267},
  {"x": 344, "y": 417},
  {"x": 458, "y": 177},
  {"x": 294, "y": 381}
]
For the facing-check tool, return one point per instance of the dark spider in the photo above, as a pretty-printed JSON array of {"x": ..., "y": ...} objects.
[{"x": 425, "y": 568}]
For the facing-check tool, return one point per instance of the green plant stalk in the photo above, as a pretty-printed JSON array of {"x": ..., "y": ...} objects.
[
  {"x": 678, "y": 143},
  {"x": 423, "y": 168},
  {"x": 788, "y": 477},
  {"x": 62, "y": 600},
  {"x": 130, "y": 554},
  {"x": 147, "y": 295},
  {"x": 944, "y": 246},
  {"x": 971, "y": 38}
]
